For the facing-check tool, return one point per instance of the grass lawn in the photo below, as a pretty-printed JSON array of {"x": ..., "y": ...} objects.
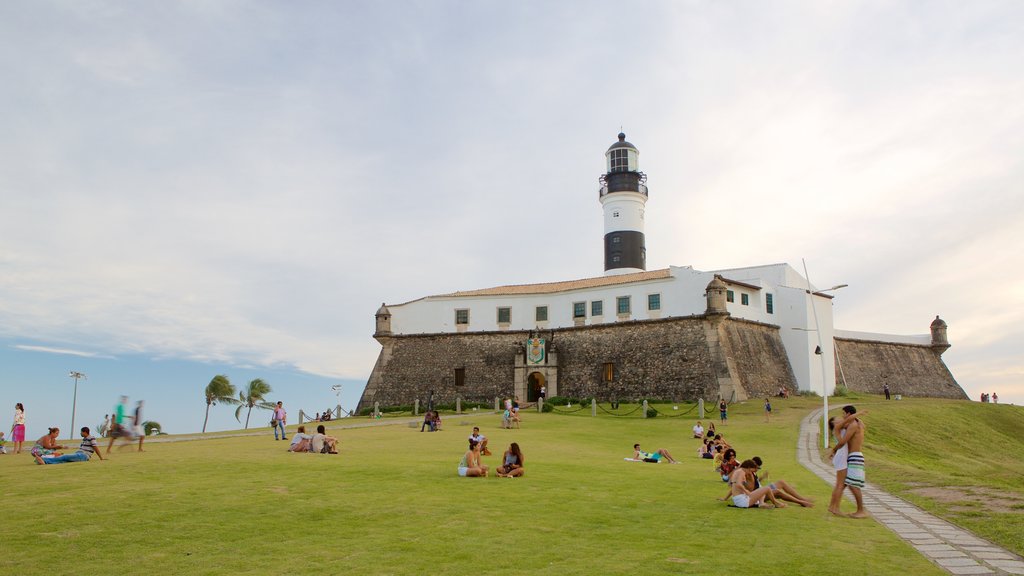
[{"x": 391, "y": 503}]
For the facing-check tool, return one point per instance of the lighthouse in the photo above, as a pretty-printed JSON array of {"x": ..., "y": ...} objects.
[{"x": 623, "y": 196}]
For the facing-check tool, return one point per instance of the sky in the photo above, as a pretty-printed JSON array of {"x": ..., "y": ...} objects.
[{"x": 213, "y": 187}]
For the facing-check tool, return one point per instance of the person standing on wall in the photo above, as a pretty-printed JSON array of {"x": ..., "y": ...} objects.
[{"x": 280, "y": 420}]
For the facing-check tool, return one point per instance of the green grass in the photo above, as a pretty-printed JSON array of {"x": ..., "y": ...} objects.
[
  {"x": 975, "y": 449},
  {"x": 392, "y": 504}
]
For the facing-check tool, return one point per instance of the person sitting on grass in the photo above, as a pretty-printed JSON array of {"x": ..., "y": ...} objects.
[
  {"x": 653, "y": 457},
  {"x": 476, "y": 435},
  {"x": 47, "y": 445},
  {"x": 745, "y": 498},
  {"x": 720, "y": 441},
  {"x": 780, "y": 488},
  {"x": 300, "y": 440},
  {"x": 428, "y": 421},
  {"x": 321, "y": 443},
  {"x": 728, "y": 464},
  {"x": 470, "y": 464},
  {"x": 706, "y": 450},
  {"x": 698, "y": 430},
  {"x": 711, "y": 430},
  {"x": 512, "y": 462},
  {"x": 436, "y": 423},
  {"x": 88, "y": 447}
]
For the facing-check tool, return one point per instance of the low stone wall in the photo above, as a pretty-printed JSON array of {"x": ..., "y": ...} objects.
[{"x": 908, "y": 369}]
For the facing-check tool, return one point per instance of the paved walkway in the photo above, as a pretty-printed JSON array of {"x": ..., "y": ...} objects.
[{"x": 952, "y": 548}]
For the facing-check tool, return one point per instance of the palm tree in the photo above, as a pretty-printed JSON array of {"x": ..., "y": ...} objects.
[
  {"x": 253, "y": 397},
  {"x": 220, "y": 390}
]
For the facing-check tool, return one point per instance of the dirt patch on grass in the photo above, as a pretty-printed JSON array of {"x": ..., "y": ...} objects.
[
  {"x": 278, "y": 489},
  {"x": 964, "y": 499}
]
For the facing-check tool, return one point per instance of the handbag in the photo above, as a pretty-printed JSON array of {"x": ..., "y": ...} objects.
[{"x": 273, "y": 422}]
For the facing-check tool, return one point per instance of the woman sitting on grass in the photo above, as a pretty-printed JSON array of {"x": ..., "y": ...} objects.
[
  {"x": 470, "y": 464},
  {"x": 728, "y": 464},
  {"x": 711, "y": 430},
  {"x": 300, "y": 440},
  {"x": 744, "y": 498},
  {"x": 512, "y": 462},
  {"x": 47, "y": 445},
  {"x": 706, "y": 450}
]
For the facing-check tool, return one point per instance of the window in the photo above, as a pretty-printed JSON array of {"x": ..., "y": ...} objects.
[
  {"x": 542, "y": 313},
  {"x": 615, "y": 214},
  {"x": 654, "y": 301},
  {"x": 504, "y": 315},
  {"x": 460, "y": 376},
  {"x": 769, "y": 304},
  {"x": 597, "y": 308},
  {"x": 462, "y": 316},
  {"x": 622, "y": 304},
  {"x": 730, "y": 296},
  {"x": 616, "y": 240},
  {"x": 579, "y": 309},
  {"x": 620, "y": 160},
  {"x": 616, "y": 258},
  {"x": 745, "y": 299},
  {"x": 608, "y": 371}
]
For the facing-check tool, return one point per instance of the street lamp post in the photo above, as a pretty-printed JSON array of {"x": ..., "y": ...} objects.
[
  {"x": 820, "y": 351},
  {"x": 74, "y": 399}
]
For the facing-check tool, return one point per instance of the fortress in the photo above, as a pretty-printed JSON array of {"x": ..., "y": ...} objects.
[{"x": 673, "y": 334}]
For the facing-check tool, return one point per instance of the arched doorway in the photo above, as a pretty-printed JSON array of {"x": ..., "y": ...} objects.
[{"x": 535, "y": 380}]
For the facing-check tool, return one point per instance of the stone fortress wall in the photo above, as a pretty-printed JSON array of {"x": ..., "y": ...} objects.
[
  {"x": 908, "y": 369},
  {"x": 706, "y": 356},
  {"x": 677, "y": 358}
]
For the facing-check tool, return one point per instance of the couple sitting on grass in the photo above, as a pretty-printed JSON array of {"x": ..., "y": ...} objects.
[
  {"x": 511, "y": 467},
  {"x": 746, "y": 491},
  {"x": 46, "y": 449},
  {"x": 319, "y": 443}
]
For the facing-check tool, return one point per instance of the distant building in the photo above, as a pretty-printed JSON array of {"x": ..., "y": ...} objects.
[{"x": 675, "y": 333}]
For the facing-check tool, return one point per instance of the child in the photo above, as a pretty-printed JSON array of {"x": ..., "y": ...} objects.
[{"x": 3, "y": 449}]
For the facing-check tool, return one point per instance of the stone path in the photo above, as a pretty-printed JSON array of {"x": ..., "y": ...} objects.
[{"x": 952, "y": 548}]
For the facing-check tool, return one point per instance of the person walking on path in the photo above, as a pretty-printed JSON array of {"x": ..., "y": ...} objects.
[
  {"x": 18, "y": 428},
  {"x": 280, "y": 420},
  {"x": 854, "y": 440}
]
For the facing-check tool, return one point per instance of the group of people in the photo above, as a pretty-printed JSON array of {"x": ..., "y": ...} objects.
[
  {"x": 46, "y": 450},
  {"x": 471, "y": 466},
  {"x": 319, "y": 443},
  {"x": 994, "y": 398}
]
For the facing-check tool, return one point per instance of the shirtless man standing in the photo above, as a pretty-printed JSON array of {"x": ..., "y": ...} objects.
[{"x": 853, "y": 439}]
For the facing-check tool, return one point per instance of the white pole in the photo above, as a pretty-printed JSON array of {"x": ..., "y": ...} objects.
[
  {"x": 74, "y": 401},
  {"x": 821, "y": 353}
]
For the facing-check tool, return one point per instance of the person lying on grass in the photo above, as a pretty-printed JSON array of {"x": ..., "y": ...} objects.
[
  {"x": 512, "y": 462},
  {"x": 654, "y": 457},
  {"x": 741, "y": 496},
  {"x": 780, "y": 488},
  {"x": 470, "y": 464}
]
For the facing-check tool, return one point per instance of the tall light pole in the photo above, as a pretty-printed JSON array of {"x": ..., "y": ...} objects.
[
  {"x": 74, "y": 399},
  {"x": 820, "y": 352}
]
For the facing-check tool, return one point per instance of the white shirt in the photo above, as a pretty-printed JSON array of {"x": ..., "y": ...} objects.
[{"x": 698, "y": 430}]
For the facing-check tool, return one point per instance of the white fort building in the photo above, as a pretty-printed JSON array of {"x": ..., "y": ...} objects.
[{"x": 721, "y": 332}]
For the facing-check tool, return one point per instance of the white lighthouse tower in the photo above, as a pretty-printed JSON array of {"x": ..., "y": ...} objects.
[{"x": 623, "y": 196}]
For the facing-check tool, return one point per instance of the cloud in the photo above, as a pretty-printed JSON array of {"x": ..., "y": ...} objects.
[{"x": 64, "y": 351}]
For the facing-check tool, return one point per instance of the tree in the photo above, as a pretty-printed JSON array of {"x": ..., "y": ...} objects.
[
  {"x": 150, "y": 427},
  {"x": 220, "y": 390},
  {"x": 253, "y": 397}
]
